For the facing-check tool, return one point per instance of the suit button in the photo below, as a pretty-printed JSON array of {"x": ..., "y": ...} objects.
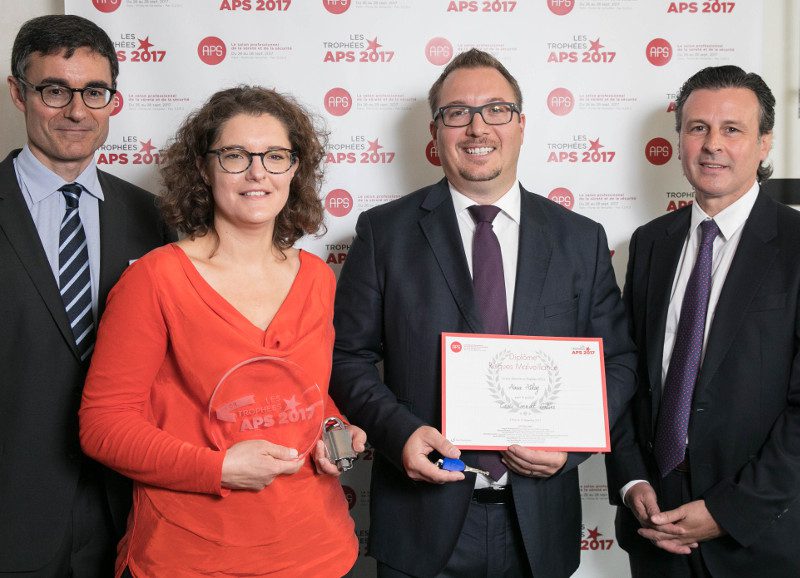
[{"x": 650, "y": 446}]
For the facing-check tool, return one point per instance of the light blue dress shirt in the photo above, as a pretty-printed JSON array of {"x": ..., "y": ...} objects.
[{"x": 46, "y": 203}]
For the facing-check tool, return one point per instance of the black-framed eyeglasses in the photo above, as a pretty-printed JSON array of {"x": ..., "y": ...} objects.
[
  {"x": 237, "y": 160},
  {"x": 59, "y": 96},
  {"x": 494, "y": 113}
]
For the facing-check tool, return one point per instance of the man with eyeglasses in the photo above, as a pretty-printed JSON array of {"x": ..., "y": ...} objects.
[
  {"x": 67, "y": 231},
  {"x": 473, "y": 253}
]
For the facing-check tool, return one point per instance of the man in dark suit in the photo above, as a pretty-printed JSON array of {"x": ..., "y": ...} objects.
[
  {"x": 67, "y": 231},
  {"x": 708, "y": 456},
  {"x": 408, "y": 278}
]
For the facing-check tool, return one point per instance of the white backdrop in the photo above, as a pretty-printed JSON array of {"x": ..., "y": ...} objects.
[{"x": 598, "y": 78}]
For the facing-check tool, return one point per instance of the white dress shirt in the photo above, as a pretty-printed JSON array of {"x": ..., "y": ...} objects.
[
  {"x": 506, "y": 227},
  {"x": 730, "y": 221}
]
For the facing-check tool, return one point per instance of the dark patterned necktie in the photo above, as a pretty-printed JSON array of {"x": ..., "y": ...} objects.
[
  {"x": 490, "y": 294},
  {"x": 684, "y": 365},
  {"x": 74, "y": 279}
]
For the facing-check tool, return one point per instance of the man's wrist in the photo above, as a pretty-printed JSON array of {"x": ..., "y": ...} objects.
[{"x": 623, "y": 492}]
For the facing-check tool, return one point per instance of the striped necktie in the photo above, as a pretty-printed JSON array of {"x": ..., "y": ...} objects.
[{"x": 74, "y": 279}]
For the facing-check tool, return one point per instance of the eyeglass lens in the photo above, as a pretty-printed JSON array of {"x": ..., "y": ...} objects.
[
  {"x": 60, "y": 96},
  {"x": 492, "y": 113},
  {"x": 239, "y": 160}
]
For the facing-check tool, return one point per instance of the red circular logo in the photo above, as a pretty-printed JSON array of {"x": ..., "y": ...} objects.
[
  {"x": 659, "y": 52},
  {"x": 117, "y": 102},
  {"x": 456, "y": 346},
  {"x": 438, "y": 51},
  {"x": 336, "y": 6},
  {"x": 350, "y": 496},
  {"x": 338, "y": 202},
  {"x": 107, "y": 5},
  {"x": 211, "y": 50},
  {"x": 658, "y": 151},
  {"x": 338, "y": 101},
  {"x": 561, "y": 7},
  {"x": 560, "y": 101},
  {"x": 432, "y": 155},
  {"x": 563, "y": 197}
]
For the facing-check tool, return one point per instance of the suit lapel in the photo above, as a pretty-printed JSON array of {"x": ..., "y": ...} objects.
[
  {"x": 754, "y": 256},
  {"x": 17, "y": 225},
  {"x": 535, "y": 249},
  {"x": 112, "y": 225},
  {"x": 663, "y": 265},
  {"x": 440, "y": 228}
]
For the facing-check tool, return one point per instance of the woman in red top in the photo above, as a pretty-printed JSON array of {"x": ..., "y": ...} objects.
[{"x": 213, "y": 345}]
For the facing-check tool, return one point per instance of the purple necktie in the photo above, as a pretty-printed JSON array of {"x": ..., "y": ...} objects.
[
  {"x": 490, "y": 294},
  {"x": 684, "y": 365}
]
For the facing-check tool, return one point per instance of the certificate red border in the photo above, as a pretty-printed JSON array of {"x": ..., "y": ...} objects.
[{"x": 598, "y": 340}]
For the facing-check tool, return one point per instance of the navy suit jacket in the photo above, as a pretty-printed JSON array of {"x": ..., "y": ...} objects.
[
  {"x": 41, "y": 375},
  {"x": 744, "y": 429},
  {"x": 406, "y": 281}
]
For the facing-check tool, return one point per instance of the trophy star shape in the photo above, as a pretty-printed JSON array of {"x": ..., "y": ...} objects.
[{"x": 291, "y": 403}]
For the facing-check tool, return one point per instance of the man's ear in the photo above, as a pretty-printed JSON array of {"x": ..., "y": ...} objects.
[
  {"x": 765, "y": 145},
  {"x": 17, "y": 95}
]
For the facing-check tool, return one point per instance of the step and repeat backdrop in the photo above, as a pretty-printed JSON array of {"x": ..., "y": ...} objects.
[{"x": 598, "y": 77}]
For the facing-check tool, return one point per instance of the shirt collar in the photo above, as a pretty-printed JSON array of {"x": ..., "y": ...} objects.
[
  {"x": 509, "y": 203},
  {"x": 41, "y": 182},
  {"x": 731, "y": 218}
]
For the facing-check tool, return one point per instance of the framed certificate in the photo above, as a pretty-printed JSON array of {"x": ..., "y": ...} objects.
[{"x": 544, "y": 393}]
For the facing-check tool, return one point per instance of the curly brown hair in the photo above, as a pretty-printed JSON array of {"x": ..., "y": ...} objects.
[{"x": 187, "y": 203}]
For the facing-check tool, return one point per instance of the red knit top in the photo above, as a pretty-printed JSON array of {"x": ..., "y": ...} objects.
[{"x": 166, "y": 340}]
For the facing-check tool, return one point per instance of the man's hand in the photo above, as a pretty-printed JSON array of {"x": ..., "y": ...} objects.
[
  {"x": 641, "y": 499},
  {"x": 254, "y": 464},
  {"x": 694, "y": 522},
  {"x": 320, "y": 456},
  {"x": 533, "y": 463},
  {"x": 415, "y": 456}
]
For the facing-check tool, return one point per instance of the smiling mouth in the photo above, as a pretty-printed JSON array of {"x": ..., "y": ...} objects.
[
  {"x": 707, "y": 165},
  {"x": 478, "y": 151},
  {"x": 75, "y": 132},
  {"x": 254, "y": 194}
]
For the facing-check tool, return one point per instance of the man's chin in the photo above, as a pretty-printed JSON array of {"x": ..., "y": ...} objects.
[
  {"x": 479, "y": 176},
  {"x": 74, "y": 153}
]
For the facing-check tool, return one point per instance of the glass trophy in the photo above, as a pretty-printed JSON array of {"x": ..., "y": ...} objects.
[{"x": 266, "y": 398}]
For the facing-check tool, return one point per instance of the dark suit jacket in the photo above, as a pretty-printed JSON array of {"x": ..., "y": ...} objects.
[
  {"x": 744, "y": 430},
  {"x": 41, "y": 376},
  {"x": 405, "y": 281}
]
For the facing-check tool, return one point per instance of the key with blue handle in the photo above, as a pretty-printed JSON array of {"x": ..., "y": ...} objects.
[{"x": 453, "y": 465}]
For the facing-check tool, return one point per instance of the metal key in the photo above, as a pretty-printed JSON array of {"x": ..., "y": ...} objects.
[{"x": 453, "y": 465}]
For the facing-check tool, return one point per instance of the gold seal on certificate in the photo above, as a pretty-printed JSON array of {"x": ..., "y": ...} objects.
[
  {"x": 537, "y": 392},
  {"x": 267, "y": 398}
]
